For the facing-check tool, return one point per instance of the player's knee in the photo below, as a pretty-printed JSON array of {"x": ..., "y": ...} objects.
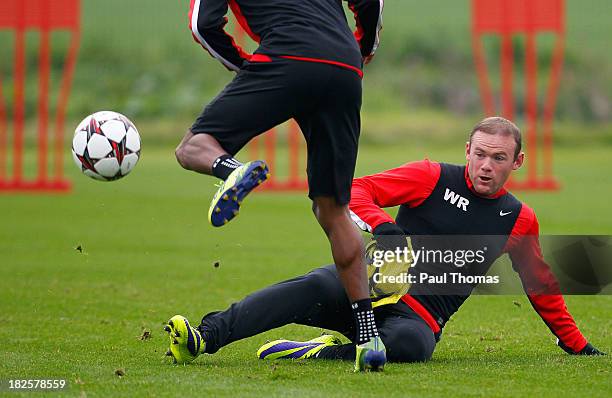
[
  {"x": 181, "y": 156},
  {"x": 409, "y": 344},
  {"x": 318, "y": 279},
  {"x": 327, "y": 212}
]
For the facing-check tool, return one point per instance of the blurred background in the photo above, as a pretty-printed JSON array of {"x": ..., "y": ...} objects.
[{"x": 138, "y": 58}]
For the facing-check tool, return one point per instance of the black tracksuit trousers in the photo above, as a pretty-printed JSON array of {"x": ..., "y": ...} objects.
[{"x": 318, "y": 299}]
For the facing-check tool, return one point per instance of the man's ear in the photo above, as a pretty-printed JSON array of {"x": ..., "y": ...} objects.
[
  {"x": 519, "y": 161},
  {"x": 467, "y": 150}
]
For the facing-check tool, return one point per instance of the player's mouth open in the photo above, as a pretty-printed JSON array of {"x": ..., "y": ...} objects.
[{"x": 485, "y": 179}]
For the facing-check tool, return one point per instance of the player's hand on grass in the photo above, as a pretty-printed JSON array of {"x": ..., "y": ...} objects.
[{"x": 587, "y": 350}]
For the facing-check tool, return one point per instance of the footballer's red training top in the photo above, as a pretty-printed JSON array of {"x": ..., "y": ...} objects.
[{"x": 427, "y": 194}]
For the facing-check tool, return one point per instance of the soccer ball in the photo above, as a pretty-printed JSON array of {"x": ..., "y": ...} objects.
[{"x": 106, "y": 146}]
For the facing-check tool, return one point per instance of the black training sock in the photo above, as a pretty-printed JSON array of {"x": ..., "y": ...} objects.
[
  {"x": 364, "y": 321},
  {"x": 224, "y": 165}
]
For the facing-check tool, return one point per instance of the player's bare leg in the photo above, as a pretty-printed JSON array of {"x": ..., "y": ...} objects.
[
  {"x": 203, "y": 154},
  {"x": 349, "y": 257},
  {"x": 346, "y": 244},
  {"x": 198, "y": 152}
]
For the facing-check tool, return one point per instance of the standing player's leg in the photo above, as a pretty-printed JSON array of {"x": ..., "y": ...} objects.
[
  {"x": 332, "y": 133},
  {"x": 348, "y": 253},
  {"x": 406, "y": 336}
]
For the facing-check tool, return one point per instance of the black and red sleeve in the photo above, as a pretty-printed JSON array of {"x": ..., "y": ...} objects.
[
  {"x": 368, "y": 20},
  {"x": 409, "y": 185},
  {"x": 207, "y": 21},
  {"x": 539, "y": 282}
]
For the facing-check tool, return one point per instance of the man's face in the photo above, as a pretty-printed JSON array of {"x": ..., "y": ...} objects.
[{"x": 490, "y": 161}]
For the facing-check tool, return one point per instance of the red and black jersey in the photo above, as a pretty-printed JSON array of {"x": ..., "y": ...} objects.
[
  {"x": 308, "y": 30},
  {"x": 438, "y": 199}
]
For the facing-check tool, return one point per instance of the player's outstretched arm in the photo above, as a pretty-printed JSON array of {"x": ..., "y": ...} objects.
[{"x": 542, "y": 287}]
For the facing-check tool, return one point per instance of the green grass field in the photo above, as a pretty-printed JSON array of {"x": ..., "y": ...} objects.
[{"x": 148, "y": 253}]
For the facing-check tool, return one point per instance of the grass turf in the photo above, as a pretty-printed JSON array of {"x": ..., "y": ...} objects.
[{"x": 148, "y": 253}]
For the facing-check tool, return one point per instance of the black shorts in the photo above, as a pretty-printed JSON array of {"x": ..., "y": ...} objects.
[{"x": 325, "y": 100}]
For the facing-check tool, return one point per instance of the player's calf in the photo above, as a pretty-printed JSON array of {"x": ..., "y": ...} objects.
[{"x": 197, "y": 152}]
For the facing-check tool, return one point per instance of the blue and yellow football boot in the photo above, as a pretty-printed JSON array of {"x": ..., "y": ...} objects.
[
  {"x": 287, "y": 349},
  {"x": 186, "y": 342},
  {"x": 226, "y": 202},
  {"x": 371, "y": 356}
]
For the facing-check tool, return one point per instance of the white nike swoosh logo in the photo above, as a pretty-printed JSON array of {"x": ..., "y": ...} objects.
[{"x": 501, "y": 213}]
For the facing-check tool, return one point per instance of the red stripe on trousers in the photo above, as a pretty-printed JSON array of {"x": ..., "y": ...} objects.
[{"x": 422, "y": 312}]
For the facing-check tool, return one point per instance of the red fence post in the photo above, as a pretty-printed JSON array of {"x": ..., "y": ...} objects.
[
  {"x": 44, "y": 16},
  {"x": 507, "y": 19}
]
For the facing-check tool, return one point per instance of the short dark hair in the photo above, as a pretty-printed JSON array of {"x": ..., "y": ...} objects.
[{"x": 498, "y": 125}]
